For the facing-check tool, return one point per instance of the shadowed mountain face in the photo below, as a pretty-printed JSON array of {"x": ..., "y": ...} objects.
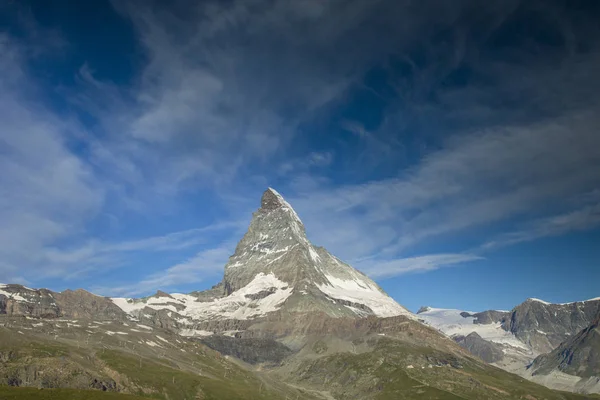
[
  {"x": 489, "y": 352},
  {"x": 513, "y": 339},
  {"x": 579, "y": 356},
  {"x": 544, "y": 325}
]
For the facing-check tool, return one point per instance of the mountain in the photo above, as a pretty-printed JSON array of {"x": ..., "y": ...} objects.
[
  {"x": 288, "y": 321},
  {"x": 513, "y": 339},
  {"x": 578, "y": 357},
  {"x": 274, "y": 268},
  {"x": 483, "y": 334},
  {"x": 19, "y": 300},
  {"x": 543, "y": 325}
]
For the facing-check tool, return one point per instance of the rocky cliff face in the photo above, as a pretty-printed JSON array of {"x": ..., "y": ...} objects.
[
  {"x": 578, "y": 356},
  {"x": 486, "y": 350},
  {"x": 543, "y": 326},
  {"x": 18, "y": 300},
  {"x": 513, "y": 339}
]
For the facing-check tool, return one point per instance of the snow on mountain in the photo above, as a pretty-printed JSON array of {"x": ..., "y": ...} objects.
[
  {"x": 538, "y": 300},
  {"x": 245, "y": 303},
  {"x": 275, "y": 267},
  {"x": 462, "y": 323},
  {"x": 361, "y": 292}
]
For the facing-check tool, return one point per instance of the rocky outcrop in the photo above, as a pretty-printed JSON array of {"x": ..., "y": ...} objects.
[
  {"x": 18, "y": 300},
  {"x": 543, "y": 326},
  {"x": 488, "y": 351},
  {"x": 161, "y": 318},
  {"x": 579, "y": 356},
  {"x": 250, "y": 350},
  {"x": 80, "y": 304},
  {"x": 490, "y": 317}
]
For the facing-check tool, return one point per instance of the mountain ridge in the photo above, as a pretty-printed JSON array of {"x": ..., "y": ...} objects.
[
  {"x": 298, "y": 312},
  {"x": 275, "y": 267}
]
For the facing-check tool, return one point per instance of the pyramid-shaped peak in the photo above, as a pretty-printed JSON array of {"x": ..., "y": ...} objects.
[{"x": 272, "y": 200}]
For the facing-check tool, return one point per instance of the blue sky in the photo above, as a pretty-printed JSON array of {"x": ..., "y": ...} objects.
[{"x": 450, "y": 150}]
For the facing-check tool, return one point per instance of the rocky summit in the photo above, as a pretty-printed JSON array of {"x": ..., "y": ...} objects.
[{"x": 274, "y": 268}]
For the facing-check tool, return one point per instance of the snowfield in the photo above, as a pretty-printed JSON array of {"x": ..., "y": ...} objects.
[
  {"x": 359, "y": 291},
  {"x": 453, "y": 324},
  {"x": 235, "y": 306}
]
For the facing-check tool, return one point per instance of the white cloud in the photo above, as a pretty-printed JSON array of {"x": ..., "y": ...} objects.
[
  {"x": 205, "y": 264},
  {"x": 46, "y": 192},
  {"x": 473, "y": 182},
  {"x": 385, "y": 269},
  {"x": 582, "y": 219}
]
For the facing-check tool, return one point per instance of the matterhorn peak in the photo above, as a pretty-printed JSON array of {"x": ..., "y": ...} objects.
[
  {"x": 275, "y": 268},
  {"x": 271, "y": 200},
  {"x": 276, "y": 245}
]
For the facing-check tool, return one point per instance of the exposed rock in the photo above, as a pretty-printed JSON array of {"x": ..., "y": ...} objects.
[
  {"x": 579, "y": 356},
  {"x": 543, "y": 326},
  {"x": 488, "y": 351},
  {"x": 18, "y": 300},
  {"x": 262, "y": 294},
  {"x": 250, "y": 350},
  {"x": 82, "y": 304},
  {"x": 160, "y": 293},
  {"x": 490, "y": 317}
]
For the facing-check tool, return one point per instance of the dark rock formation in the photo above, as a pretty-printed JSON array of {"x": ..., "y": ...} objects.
[
  {"x": 486, "y": 350},
  {"x": 250, "y": 350},
  {"x": 578, "y": 356},
  {"x": 544, "y": 326}
]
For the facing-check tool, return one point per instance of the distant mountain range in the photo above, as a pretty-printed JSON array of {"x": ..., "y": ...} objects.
[
  {"x": 518, "y": 340},
  {"x": 290, "y": 320}
]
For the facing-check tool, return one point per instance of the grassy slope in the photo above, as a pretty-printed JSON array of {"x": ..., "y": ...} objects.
[
  {"x": 183, "y": 369},
  {"x": 164, "y": 381},
  {"x": 396, "y": 370},
  {"x": 23, "y": 393},
  {"x": 179, "y": 370}
]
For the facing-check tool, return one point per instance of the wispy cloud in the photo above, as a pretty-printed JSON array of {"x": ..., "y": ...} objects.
[
  {"x": 400, "y": 266},
  {"x": 582, "y": 219},
  {"x": 205, "y": 264},
  {"x": 475, "y": 181},
  {"x": 46, "y": 192}
]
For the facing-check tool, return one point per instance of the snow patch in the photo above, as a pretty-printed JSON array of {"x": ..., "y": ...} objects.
[
  {"x": 116, "y": 333},
  {"x": 193, "y": 332},
  {"x": 235, "y": 306},
  {"x": 451, "y": 323},
  {"x": 161, "y": 338},
  {"x": 144, "y": 327},
  {"x": 13, "y": 296},
  {"x": 362, "y": 292},
  {"x": 538, "y": 301},
  {"x": 313, "y": 254}
]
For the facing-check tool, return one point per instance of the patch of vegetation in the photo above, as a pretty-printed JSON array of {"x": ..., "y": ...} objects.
[
  {"x": 157, "y": 380},
  {"x": 320, "y": 347},
  {"x": 398, "y": 370},
  {"x": 250, "y": 350},
  {"x": 23, "y": 393}
]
